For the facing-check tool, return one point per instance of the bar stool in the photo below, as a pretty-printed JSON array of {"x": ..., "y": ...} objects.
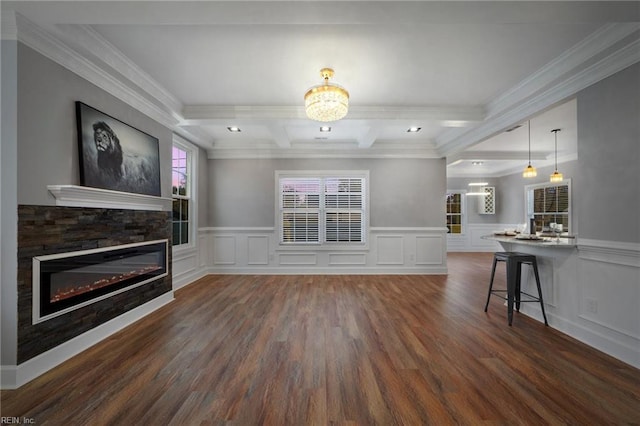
[{"x": 514, "y": 261}]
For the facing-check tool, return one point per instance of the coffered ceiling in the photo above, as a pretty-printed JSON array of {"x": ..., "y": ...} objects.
[{"x": 464, "y": 72}]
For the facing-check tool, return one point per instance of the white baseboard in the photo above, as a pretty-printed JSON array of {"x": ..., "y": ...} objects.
[
  {"x": 184, "y": 279},
  {"x": 436, "y": 270},
  {"x": 601, "y": 342},
  {"x": 12, "y": 376}
]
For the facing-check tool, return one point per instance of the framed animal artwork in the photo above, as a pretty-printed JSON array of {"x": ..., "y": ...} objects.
[{"x": 114, "y": 155}]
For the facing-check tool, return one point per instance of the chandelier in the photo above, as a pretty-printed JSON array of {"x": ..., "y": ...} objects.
[{"x": 327, "y": 101}]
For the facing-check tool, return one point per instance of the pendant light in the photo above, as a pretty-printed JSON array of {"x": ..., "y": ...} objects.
[
  {"x": 556, "y": 176},
  {"x": 530, "y": 171}
]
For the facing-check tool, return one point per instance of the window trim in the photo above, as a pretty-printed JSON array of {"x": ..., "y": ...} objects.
[
  {"x": 463, "y": 211},
  {"x": 528, "y": 208},
  {"x": 192, "y": 191},
  {"x": 323, "y": 245}
]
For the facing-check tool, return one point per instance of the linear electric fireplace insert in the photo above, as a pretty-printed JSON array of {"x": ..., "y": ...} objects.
[{"x": 67, "y": 281}]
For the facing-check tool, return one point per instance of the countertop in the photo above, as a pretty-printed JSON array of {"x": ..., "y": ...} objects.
[{"x": 563, "y": 242}]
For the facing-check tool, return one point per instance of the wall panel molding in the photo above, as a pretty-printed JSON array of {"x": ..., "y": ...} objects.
[{"x": 255, "y": 250}]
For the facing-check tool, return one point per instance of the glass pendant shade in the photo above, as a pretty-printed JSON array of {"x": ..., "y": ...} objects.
[
  {"x": 326, "y": 102},
  {"x": 556, "y": 177},
  {"x": 530, "y": 172}
]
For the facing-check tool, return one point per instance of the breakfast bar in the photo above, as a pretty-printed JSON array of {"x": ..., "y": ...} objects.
[
  {"x": 508, "y": 241},
  {"x": 555, "y": 257}
]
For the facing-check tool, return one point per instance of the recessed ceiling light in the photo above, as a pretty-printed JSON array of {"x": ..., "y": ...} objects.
[
  {"x": 234, "y": 129},
  {"x": 476, "y": 163},
  {"x": 325, "y": 129},
  {"x": 413, "y": 129}
]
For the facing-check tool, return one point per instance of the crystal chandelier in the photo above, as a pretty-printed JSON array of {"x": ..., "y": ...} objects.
[{"x": 326, "y": 102}]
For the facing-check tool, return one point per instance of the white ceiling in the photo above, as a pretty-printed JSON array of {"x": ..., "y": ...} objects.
[{"x": 462, "y": 71}]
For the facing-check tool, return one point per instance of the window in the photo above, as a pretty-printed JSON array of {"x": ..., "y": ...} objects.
[
  {"x": 322, "y": 208},
  {"x": 454, "y": 212},
  {"x": 182, "y": 192},
  {"x": 549, "y": 203}
]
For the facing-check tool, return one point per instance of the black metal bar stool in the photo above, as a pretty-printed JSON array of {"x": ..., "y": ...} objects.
[{"x": 514, "y": 261}]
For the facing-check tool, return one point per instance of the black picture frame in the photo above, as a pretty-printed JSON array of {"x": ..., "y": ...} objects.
[{"x": 114, "y": 155}]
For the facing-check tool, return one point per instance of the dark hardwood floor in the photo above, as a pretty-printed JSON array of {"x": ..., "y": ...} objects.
[{"x": 303, "y": 350}]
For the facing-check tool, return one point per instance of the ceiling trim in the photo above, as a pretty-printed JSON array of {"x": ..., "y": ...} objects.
[
  {"x": 202, "y": 114},
  {"x": 53, "y": 48},
  {"x": 588, "y": 48},
  {"x": 496, "y": 155},
  {"x": 94, "y": 44},
  {"x": 267, "y": 149},
  {"x": 612, "y": 48},
  {"x": 610, "y": 61}
]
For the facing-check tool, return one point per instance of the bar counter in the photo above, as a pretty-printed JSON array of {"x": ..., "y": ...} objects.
[
  {"x": 557, "y": 263},
  {"x": 546, "y": 242}
]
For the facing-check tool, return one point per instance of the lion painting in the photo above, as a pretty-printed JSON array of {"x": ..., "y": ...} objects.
[
  {"x": 116, "y": 156},
  {"x": 109, "y": 150}
]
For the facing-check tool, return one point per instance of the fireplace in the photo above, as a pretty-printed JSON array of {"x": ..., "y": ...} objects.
[{"x": 68, "y": 281}]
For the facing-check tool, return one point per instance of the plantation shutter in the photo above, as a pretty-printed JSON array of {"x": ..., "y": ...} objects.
[
  {"x": 300, "y": 210},
  {"x": 551, "y": 205},
  {"x": 322, "y": 209},
  {"x": 344, "y": 212}
]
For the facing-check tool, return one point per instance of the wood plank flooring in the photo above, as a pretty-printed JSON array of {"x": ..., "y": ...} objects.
[{"x": 349, "y": 350}]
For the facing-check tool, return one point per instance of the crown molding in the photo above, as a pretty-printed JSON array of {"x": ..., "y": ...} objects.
[
  {"x": 585, "y": 50},
  {"x": 96, "y": 45},
  {"x": 347, "y": 149},
  {"x": 53, "y": 48},
  {"x": 496, "y": 155},
  {"x": 201, "y": 114},
  {"x": 621, "y": 51}
]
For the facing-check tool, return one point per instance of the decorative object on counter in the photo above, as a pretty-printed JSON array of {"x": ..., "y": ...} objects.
[
  {"x": 530, "y": 171},
  {"x": 328, "y": 101},
  {"x": 506, "y": 233},
  {"x": 528, "y": 237},
  {"x": 114, "y": 155},
  {"x": 556, "y": 176}
]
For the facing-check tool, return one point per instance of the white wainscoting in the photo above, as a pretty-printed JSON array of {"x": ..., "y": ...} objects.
[
  {"x": 471, "y": 239},
  {"x": 591, "y": 293},
  {"x": 388, "y": 251},
  {"x": 187, "y": 266}
]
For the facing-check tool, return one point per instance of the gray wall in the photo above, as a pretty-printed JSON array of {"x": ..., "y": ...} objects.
[
  {"x": 403, "y": 192},
  {"x": 48, "y": 148},
  {"x": 510, "y": 191},
  {"x": 605, "y": 180},
  {"x": 203, "y": 188},
  {"x": 8, "y": 203},
  {"x": 608, "y": 199},
  {"x": 472, "y": 202}
]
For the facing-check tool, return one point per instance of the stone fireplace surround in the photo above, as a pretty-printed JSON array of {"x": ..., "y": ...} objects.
[{"x": 45, "y": 230}]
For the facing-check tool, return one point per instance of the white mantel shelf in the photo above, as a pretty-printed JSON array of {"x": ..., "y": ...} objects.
[{"x": 85, "y": 196}]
